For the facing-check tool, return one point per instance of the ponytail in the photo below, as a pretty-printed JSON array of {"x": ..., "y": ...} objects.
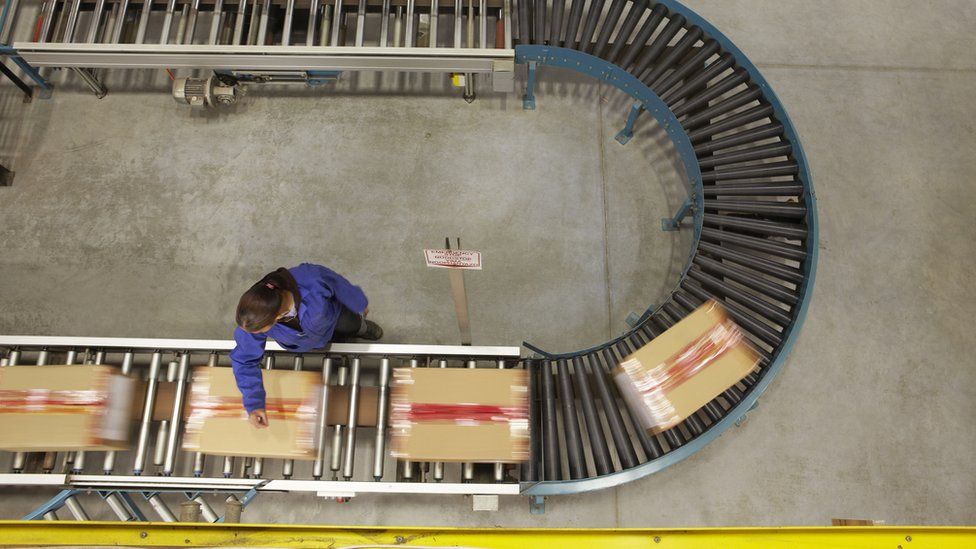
[{"x": 261, "y": 303}]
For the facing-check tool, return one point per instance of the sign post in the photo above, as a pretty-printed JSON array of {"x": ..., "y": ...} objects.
[{"x": 456, "y": 262}]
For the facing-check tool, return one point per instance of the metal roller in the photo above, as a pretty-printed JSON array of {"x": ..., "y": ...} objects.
[
  {"x": 538, "y": 21},
  {"x": 732, "y": 173},
  {"x": 786, "y": 251},
  {"x": 318, "y": 466},
  {"x": 432, "y": 31},
  {"x": 385, "y": 24},
  {"x": 161, "y": 509},
  {"x": 695, "y": 63},
  {"x": 681, "y": 89},
  {"x": 47, "y": 20},
  {"x": 337, "y": 20},
  {"x": 556, "y": 24},
  {"x": 757, "y": 226},
  {"x": 689, "y": 301},
  {"x": 678, "y": 51},
  {"x": 571, "y": 427},
  {"x": 176, "y": 418},
  {"x": 699, "y": 97},
  {"x": 167, "y": 21},
  {"x": 725, "y": 105},
  {"x": 335, "y": 461},
  {"x": 349, "y": 452},
  {"x": 618, "y": 431},
  {"x": 761, "y": 264},
  {"x": 598, "y": 441},
  {"x": 143, "y": 22},
  {"x": 550, "y": 442},
  {"x": 530, "y": 468},
  {"x": 637, "y": 10},
  {"x": 191, "y": 22},
  {"x": 325, "y": 30},
  {"x": 732, "y": 122},
  {"x": 69, "y": 28},
  {"x": 525, "y": 24},
  {"x": 439, "y": 465},
  {"x": 458, "y": 16},
  {"x": 288, "y": 22},
  {"x": 213, "y": 36},
  {"x": 258, "y": 468},
  {"x": 360, "y": 24},
  {"x": 609, "y": 23},
  {"x": 573, "y": 24},
  {"x": 313, "y": 15},
  {"x": 118, "y": 507},
  {"x": 640, "y": 41},
  {"x": 791, "y": 189},
  {"x": 159, "y": 448},
  {"x": 288, "y": 465},
  {"x": 592, "y": 18},
  {"x": 409, "y": 32},
  {"x": 78, "y": 461},
  {"x": 747, "y": 279},
  {"x": 467, "y": 469},
  {"x": 239, "y": 18},
  {"x": 759, "y": 306},
  {"x": 770, "y": 208},
  {"x": 675, "y": 23},
  {"x": 751, "y": 135},
  {"x": 75, "y": 508},
  {"x": 499, "y": 468},
  {"x": 382, "y": 412},
  {"x": 483, "y": 22},
  {"x": 738, "y": 313}
]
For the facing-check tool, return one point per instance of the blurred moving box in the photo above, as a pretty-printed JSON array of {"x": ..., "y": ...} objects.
[
  {"x": 216, "y": 422},
  {"x": 64, "y": 408},
  {"x": 460, "y": 414},
  {"x": 681, "y": 370}
]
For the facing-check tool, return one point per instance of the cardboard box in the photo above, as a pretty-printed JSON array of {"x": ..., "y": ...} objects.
[
  {"x": 684, "y": 368},
  {"x": 338, "y": 403},
  {"x": 64, "y": 408},
  {"x": 455, "y": 414},
  {"x": 217, "y": 423}
]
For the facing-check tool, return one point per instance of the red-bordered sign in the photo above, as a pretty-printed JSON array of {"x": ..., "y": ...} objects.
[{"x": 453, "y": 259}]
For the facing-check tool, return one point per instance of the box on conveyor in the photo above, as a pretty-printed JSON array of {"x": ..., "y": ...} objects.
[
  {"x": 460, "y": 414},
  {"x": 684, "y": 368},
  {"x": 64, "y": 408},
  {"x": 216, "y": 422}
]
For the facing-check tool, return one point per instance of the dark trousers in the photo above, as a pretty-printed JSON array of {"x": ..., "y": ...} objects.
[{"x": 350, "y": 324}]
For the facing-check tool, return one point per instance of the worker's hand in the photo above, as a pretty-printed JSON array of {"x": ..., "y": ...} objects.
[
  {"x": 365, "y": 312},
  {"x": 258, "y": 419}
]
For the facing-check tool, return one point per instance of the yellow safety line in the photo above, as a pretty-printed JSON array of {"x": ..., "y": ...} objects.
[{"x": 148, "y": 534}]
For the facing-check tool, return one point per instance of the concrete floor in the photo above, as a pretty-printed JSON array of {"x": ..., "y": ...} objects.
[{"x": 133, "y": 217}]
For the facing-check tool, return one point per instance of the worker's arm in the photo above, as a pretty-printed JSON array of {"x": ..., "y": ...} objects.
[{"x": 246, "y": 360}]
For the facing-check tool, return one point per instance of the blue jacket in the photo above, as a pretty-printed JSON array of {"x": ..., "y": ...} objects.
[{"x": 323, "y": 294}]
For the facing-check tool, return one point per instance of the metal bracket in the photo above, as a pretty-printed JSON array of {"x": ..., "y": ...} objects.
[
  {"x": 634, "y": 320},
  {"x": 628, "y": 132},
  {"x": 537, "y": 505},
  {"x": 52, "y": 504},
  {"x": 528, "y": 100},
  {"x": 674, "y": 223},
  {"x": 320, "y": 78},
  {"x": 745, "y": 415},
  {"x": 45, "y": 88}
]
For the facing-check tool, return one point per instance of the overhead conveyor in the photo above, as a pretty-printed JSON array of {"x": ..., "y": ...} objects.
[{"x": 751, "y": 203}]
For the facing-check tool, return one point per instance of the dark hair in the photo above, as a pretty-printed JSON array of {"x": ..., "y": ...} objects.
[{"x": 260, "y": 304}]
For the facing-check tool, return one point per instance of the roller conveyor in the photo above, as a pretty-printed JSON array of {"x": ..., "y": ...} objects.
[{"x": 755, "y": 220}]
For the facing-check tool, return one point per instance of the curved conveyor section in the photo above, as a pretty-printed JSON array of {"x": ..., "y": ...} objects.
[{"x": 755, "y": 245}]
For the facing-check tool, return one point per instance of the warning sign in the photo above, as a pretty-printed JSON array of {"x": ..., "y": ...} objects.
[{"x": 453, "y": 259}]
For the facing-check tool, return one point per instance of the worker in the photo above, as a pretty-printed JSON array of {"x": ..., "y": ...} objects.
[{"x": 301, "y": 308}]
